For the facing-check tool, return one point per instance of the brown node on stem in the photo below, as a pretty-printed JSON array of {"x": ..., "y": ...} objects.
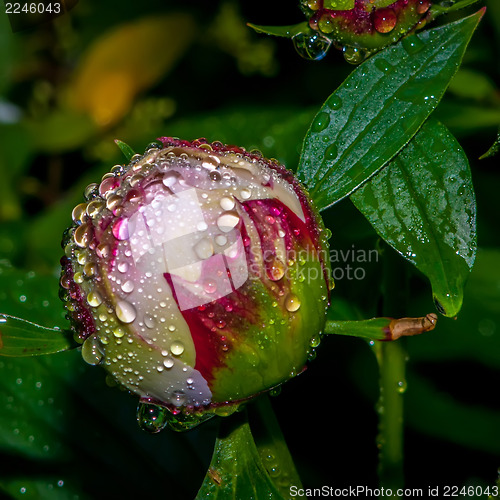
[{"x": 406, "y": 327}]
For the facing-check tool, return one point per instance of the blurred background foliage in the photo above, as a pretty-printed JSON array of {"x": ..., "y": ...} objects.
[{"x": 136, "y": 71}]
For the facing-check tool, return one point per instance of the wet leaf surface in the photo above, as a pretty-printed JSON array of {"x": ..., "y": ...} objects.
[
  {"x": 379, "y": 108},
  {"x": 423, "y": 205}
]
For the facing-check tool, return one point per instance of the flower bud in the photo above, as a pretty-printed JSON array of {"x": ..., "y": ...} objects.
[
  {"x": 368, "y": 26},
  {"x": 198, "y": 276}
]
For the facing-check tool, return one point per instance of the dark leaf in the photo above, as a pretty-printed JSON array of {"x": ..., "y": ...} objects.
[
  {"x": 379, "y": 108},
  {"x": 19, "y": 337},
  {"x": 423, "y": 205},
  {"x": 236, "y": 469}
]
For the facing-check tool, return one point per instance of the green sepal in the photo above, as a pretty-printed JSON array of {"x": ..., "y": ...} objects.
[
  {"x": 437, "y": 10},
  {"x": 127, "y": 151},
  {"x": 19, "y": 337},
  {"x": 283, "y": 31}
]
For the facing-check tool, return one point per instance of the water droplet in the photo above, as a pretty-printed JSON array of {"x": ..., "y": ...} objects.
[
  {"x": 78, "y": 212},
  {"x": 177, "y": 348},
  {"x": 412, "y": 44},
  {"x": 109, "y": 182},
  {"x": 94, "y": 299},
  {"x": 113, "y": 202},
  {"x": 209, "y": 286},
  {"x": 89, "y": 269},
  {"x": 384, "y": 20},
  {"x": 122, "y": 267},
  {"x": 321, "y": 122},
  {"x": 92, "y": 350},
  {"x": 120, "y": 229},
  {"x": 149, "y": 321},
  {"x": 326, "y": 23},
  {"x": 227, "y": 203},
  {"x": 178, "y": 398},
  {"x": 125, "y": 311},
  {"x": 334, "y": 102},
  {"x": 204, "y": 248},
  {"x": 383, "y": 65},
  {"x": 91, "y": 191},
  {"x": 423, "y": 6},
  {"x": 94, "y": 208},
  {"x": 128, "y": 286},
  {"x": 353, "y": 55},
  {"x": 202, "y": 226},
  {"x": 118, "y": 333},
  {"x": 152, "y": 418},
  {"x": 221, "y": 240},
  {"x": 315, "y": 341},
  {"x": 292, "y": 302},
  {"x": 275, "y": 269},
  {"x": 245, "y": 193},
  {"x": 214, "y": 175},
  {"x": 331, "y": 152},
  {"x": 171, "y": 178},
  {"x": 402, "y": 385},
  {"x": 81, "y": 235},
  {"x": 102, "y": 251},
  {"x": 168, "y": 362},
  {"x": 311, "y": 46},
  {"x": 227, "y": 221}
]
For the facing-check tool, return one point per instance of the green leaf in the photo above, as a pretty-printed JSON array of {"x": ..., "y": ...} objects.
[
  {"x": 127, "y": 151},
  {"x": 60, "y": 131},
  {"x": 236, "y": 469},
  {"x": 285, "y": 31},
  {"x": 29, "y": 300},
  {"x": 49, "y": 487},
  {"x": 32, "y": 296},
  {"x": 272, "y": 446},
  {"x": 437, "y": 10},
  {"x": 16, "y": 146},
  {"x": 19, "y": 337},
  {"x": 379, "y": 108},
  {"x": 495, "y": 148},
  {"x": 473, "y": 336},
  {"x": 59, "y": 416},
  {"x": 423, "y": 205}
]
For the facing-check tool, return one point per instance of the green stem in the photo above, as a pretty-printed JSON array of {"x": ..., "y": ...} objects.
[{"x": 391, "y": 357}]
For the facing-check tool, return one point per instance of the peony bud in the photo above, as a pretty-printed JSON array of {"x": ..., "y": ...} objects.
[
  {"x": 198, "y": 276},
  {"x": 368, "y": 24}
]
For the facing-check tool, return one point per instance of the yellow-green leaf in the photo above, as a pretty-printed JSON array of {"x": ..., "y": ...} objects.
[{"x": 126, "y": 60}]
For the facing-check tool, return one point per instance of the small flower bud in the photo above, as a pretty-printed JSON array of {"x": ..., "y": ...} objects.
[
  {"x": 198, "y": 276},
  {"x": 369, "y": 25}
]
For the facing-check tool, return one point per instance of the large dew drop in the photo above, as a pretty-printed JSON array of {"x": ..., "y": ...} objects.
[
  {"x": 125, "y": 311},
  {"x": 292, "y": 302},
  {"x": 311, "y": 46},
  {"x": 384, "y": 20},
  {"x": 92, "y": 350},
  {"x": 177, "y": 348},
  {"x": 353, "y": 55},
  {"x": 152, "y": 418}
]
